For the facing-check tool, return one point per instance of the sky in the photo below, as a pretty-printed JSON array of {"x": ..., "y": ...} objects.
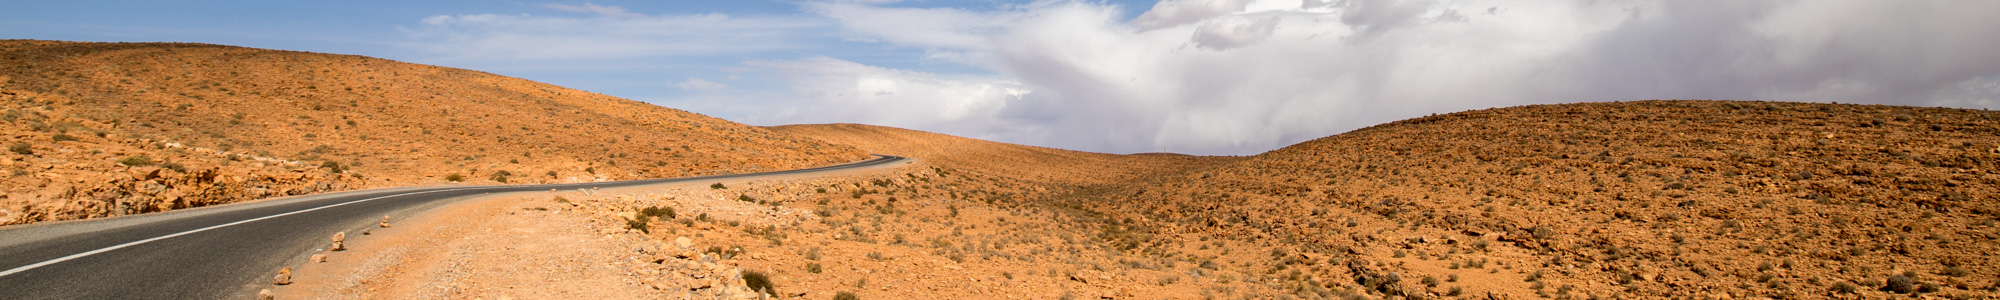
[{"x": 1211, "y": 77}]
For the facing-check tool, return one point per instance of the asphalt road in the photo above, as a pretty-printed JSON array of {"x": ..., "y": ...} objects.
[{"x": 229, "y": 251}]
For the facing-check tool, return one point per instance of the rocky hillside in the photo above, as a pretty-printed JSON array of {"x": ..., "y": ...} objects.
[
  {"x": 99, "y": 129},
  {"x": 1644, "y": 199},
  {"x": 1039, "y": 165}
]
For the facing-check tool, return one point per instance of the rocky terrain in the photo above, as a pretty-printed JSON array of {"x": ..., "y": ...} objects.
[
  {"x": 103, "y": 129},
  {"x": 1620, "y": 200},
  {"x": 1648, "y": 199},
  {"x": 1702, "y": 199}
]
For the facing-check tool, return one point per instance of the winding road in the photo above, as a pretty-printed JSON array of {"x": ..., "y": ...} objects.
[{"x": 230, "y": 251}]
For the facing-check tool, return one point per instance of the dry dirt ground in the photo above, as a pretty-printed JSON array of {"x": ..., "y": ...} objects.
[
  {"x": 1666, "y": 199},
  {"x": 103, "y": 129},
  {"x": 1650, "y": 199}
]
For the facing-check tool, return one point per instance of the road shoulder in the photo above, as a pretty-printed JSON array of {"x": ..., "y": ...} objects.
[{"x": 527, "y": 245}]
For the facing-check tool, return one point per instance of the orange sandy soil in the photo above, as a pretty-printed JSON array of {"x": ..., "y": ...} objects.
[
  {"x": 1650, "y": 199},
  {"x": 104, "y": 129}
]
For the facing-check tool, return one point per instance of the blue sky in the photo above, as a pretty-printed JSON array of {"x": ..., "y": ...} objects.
[{"x": 1189, "y": 76}]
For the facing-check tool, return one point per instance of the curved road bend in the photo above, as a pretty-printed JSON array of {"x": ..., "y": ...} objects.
[{"x": 230, "y": 251}]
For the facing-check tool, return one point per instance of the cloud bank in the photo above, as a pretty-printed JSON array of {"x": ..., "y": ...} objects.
[
  {"x": 1247, "y": 76},
  {"x": 1242, "y": 77}
]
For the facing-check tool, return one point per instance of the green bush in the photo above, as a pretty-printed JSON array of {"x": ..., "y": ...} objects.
[
  {"x": 22, "y": 148},
  {"x": 1844, "y": 288},
  {"x": 1955, "y": 271},
  {"x": 758, "y": 282},
  {"x": 655, "y": 211},
  {"x": 812, "y": 268},
  {"x": 501, "y": 176},
  {"x": 1900, "y": 284},
  {"x": 332, "y": 166},
  {"x": 62, "y": 137},
  {"x": 846, "y": 296},
  {"x": 639, "y": 225},
  {"x": 717, "y": 186},
  {"x": 136, "y": 161},
  {"x": 454, "y": 177}
]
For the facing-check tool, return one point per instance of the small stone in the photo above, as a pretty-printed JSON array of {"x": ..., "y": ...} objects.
[
  {"x": 340, "y": 236},
  {"x": 266, "y": 295},
  {"x": 385, "y": 222},
  {"x": 337, "y": 246},
  {"x": 284, "y": 277},
  {"x": 684, "y": 243},
  {"x": 318, "y": 258}
]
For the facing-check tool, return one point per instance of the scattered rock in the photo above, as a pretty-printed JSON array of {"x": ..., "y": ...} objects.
[
  {"x": 318, "y": 258},
  {"x": 684, "y": 243},
  {"x": 339, "y": 241},
  {"x": 284, "y": 277},
  {"x": 384, "y": 224},
  {"x": 266, "y": 295}
]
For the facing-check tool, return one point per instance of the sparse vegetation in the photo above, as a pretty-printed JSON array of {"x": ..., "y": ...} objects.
[
  {"x": 657, "y": 211},
  {"x": 1900, "y": 284},
  {"x": 136, "y": 161},
  {"x": 454, "y": 177},
  {"x": 22, "y": 148},
  {"x": 758, "y": 282}
]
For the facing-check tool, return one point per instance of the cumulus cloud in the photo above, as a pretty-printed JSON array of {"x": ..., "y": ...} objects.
[
  {"x": 830, "y": 90},
  {"x": 698, "y": 84},
  {"x": 1268, "y": 73},
  {"x": 1234, "y": 31}
]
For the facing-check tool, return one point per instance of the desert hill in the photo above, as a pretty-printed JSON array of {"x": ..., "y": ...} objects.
[
  {"x": 1646, "y": 199},
  {"x": 1040, "y": 165},
  {"x": 98, "y": 129}
]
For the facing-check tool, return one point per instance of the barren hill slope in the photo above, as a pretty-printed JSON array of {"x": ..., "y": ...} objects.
[
  {"x": 1039, "y": 165},
  {"x": 1618, "y": 200},
  {"x": 217, "y": 124}
]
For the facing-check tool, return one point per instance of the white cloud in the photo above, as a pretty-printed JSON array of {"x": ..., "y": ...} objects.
[
  {"x": 1265, "y": 74},
  {"x": 834, "y": 90},
  {"x": 613, "y": 11},
  {"x": 698, "y": 84},
  {"x": 1234, "y": 31},
  {"x": 1170, "y": 13},
  {"x": 1246, "y": 76},
  {"x": 490, "y": 37}
]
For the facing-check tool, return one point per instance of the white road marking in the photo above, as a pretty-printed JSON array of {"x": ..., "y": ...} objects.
[{"x": 135, "y": 243}]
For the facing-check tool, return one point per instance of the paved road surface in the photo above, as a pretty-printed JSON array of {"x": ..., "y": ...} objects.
[{"x": 230, "y": 251}]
